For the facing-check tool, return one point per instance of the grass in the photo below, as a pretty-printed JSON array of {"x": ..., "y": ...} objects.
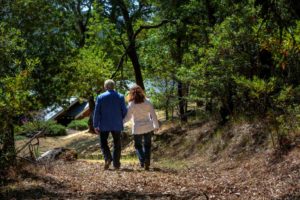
[
  {"x": 50, "y": 128},
  {"x": 173, "y": 164},
  {"x": 126, "y": 159},
  {"x": 81, "y": 124},
  {"x": 20, "y": 137}
]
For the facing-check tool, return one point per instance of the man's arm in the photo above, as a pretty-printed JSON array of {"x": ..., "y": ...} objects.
[{"x": 97, "y": 114}]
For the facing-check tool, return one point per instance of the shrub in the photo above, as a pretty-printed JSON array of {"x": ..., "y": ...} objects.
[
  {"x": 51, "y": 128},
  {"x": 79, "y": 124},
  {"x": 56, "y": 130}
]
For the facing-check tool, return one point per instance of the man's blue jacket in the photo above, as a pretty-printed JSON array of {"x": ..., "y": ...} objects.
[{"x": 109, "y": 111}]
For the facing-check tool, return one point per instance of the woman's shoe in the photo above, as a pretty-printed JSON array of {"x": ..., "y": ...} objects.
[
  {"x": 107, "y": 164},
  {"x": 147, "y": 166}
]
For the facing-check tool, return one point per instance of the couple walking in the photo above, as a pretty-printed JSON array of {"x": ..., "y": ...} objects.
[{"x": 110, "y": 114}]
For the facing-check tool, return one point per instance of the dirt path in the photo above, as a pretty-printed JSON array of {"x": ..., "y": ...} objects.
[
  {"x": 88, "y": 180},
  {"x": 249, "y": 179},
  {"x": 177, "y": 172}
]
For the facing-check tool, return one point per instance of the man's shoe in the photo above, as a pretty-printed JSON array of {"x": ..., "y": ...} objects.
[
  {"x": 117, "y": 167},
  {"x": 142, "y": 165},
  {"x": 107, "y": 164},
  {"x": 147, "y": 166}
]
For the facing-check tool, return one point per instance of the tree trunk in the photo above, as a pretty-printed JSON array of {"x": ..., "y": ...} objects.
[
  {"x": 177, "y": 56},
  {"x": 167, "y": 113},
  {"x": 227, "y": 105},
  {"x": 181, "y": 101},
  {"x": 92, "y": 108},
  {"x": 8, "y": 151},
  {"x": 210, "y": 13},
  {"x": 187, "y": 93},
  {"x": 132, "y": 53},
  {"x": 167, "y": 108}
]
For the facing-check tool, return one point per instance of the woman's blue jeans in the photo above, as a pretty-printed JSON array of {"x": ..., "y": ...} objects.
[{"x": 142, "y": 144}]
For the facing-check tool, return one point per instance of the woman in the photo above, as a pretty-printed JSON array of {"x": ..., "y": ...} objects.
[{"x": 144, "y": 119}]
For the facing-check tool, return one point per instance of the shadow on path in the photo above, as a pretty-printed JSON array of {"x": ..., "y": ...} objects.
[
  {"x": 31, "y": 193},
  {"x": 45, "y": 187},
  {"x": 295, "y": 196},
  {"x": 137, "y": 195},
  {"x": 141, "y": 170}
]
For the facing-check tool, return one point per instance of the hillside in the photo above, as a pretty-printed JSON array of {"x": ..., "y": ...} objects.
[{"x": 201, "y": 160}]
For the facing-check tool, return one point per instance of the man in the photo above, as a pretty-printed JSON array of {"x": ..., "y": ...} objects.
[{"x": 109, "y": 112}]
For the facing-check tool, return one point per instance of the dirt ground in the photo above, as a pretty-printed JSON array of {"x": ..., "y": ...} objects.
[{"x": 173, "y": 174}]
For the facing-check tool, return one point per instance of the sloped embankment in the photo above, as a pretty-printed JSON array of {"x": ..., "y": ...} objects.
[
  {"x": 235, "y": 161},
  {"x": 209, "y": 139}
]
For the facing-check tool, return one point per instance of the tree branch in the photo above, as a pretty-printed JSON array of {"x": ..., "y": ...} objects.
[
  {"x": 122, "y": 41},
  {"x": 37, "y": 135},
  {"x": 120, "y": 64},
  {"x": 149, "y": 27}
]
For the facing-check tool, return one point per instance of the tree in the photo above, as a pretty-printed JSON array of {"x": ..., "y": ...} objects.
[
  {"x": 86, "y": 73},
  {"x": 182, "y": 36},
  {"x": 15, "y": 84},
  {"x": 130, "y": 18},
  {"x": 159, "y": 72},
  {"x": 80, "y": 13},
  {"x": 32, "y": 53}
]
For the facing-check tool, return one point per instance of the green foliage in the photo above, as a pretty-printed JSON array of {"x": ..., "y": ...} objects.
[
  {"x": 254, "y": 94},
  {"x": 15, "y": 84},
  {"x": 49, "y": 39},
  {"x": 15, "y": 73},
  {"x": 20, "y": 137},
  {"x": 55, "y": 130},
  {"x": 87, "y": 71},
  {"x": 50, "y": 128},
  {"x": 81, "y": 124},
  {"x": 285, "y": 117}
]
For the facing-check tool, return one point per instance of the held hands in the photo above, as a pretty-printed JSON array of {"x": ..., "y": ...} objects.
[{"x": 97, "y": 131}]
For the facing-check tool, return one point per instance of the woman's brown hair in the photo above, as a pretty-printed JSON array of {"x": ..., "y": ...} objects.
[{"x": 136, "y": 94}]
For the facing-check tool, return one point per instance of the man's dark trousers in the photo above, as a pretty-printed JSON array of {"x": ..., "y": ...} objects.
[{"x": 117, "y": 147}]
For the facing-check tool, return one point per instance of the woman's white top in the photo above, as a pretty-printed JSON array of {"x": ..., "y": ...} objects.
[{"x": 143, "y": 117}]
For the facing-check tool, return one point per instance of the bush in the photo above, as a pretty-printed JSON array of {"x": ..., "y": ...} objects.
[
  {"x": 79, "y": 124},
  {"x": 56, "y": 130},
  {"x": 51, "y": 128}
]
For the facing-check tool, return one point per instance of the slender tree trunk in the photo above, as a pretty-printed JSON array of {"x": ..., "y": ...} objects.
[
  {"x": 8, "y": 151},
  {"x": 227, "y": 105},
  {"x": 187, "y": 92},
  {"x": 167, "y": 108},
  {"x": 181, "y": 101},
  {"x": 167, "y": 104},
  {"x": 132, "y": 53},
  {"x": 167, "y": 113},
  {"x": 177, "y": 56},
  {"x": 210, "y": 13},
  {"x": 92, "y": 108}
]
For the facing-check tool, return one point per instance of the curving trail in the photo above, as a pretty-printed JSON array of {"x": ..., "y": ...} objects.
[
  {"x": 83, "y": 179},
  {"x": 257, "y": 175}
]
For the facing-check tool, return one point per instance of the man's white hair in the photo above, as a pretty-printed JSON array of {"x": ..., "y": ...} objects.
[{"x": 109, "y": 84}]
